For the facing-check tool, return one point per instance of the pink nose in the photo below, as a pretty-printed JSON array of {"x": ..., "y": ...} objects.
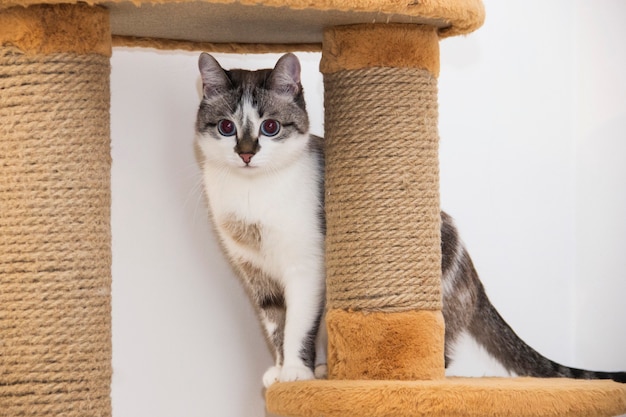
[{"x": 246, "y": 157}]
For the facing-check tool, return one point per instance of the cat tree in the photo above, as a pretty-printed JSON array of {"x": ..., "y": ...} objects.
[{"x": 386, "y": 330}]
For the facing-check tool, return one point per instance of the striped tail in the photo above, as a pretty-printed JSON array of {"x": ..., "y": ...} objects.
[{"x": 501, "y": 342}]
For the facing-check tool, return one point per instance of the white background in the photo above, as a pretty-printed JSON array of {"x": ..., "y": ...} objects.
[{"x": 533, "y": 167}]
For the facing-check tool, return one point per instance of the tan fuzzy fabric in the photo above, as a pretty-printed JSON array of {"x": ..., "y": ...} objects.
[
  {"x": 46, "y": 29},
  {"x": 254, "y": 26},
  {"x": 404, "y": 346},
  {"x": 380, "y": 45},
  {"x": 454, "y": 16},
  {"x": 451, "y": 397}
]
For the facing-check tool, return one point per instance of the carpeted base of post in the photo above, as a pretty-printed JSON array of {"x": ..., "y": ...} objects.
[
  {"x": 401, "y": 345},
  {"x": 451, "y": 397}
]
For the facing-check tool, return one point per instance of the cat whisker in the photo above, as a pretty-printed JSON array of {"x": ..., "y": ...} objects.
[{"x": 197, "y": 191}]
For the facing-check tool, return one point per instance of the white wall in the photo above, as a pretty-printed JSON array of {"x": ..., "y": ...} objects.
[
  {"x": 600, "y": 181},
  {"x": 533, "y": 144}
]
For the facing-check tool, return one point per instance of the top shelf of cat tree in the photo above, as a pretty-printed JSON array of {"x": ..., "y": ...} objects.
[{"x": 272, "y": 22}]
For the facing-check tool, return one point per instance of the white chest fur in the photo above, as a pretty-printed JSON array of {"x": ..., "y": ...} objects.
[{"x": 277, "y": 215}]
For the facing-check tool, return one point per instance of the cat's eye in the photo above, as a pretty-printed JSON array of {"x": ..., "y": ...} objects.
[
  {"x": 226, "y": 127},
  {"x": 270, "y": 127}
]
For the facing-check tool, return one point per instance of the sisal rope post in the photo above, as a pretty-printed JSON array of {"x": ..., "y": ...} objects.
[
  {"x": 55, "y": 253},
  {"x": 383, "y": 253}
]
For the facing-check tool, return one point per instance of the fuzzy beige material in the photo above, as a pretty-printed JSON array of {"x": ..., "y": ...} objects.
[
  {"x": 453, "y": 16},
  {"x": 404, "y": 346},
  {"x": 45, "y": 29},
  {"x": 257, "y": 26},
  {"x": 380, "y": 45},
  {"x": 451, "y": 397}
]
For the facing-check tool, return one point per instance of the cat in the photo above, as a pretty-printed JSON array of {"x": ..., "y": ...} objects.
[
  {"x": 261, "y": 173},
  {"x": 263, "y": 176}
]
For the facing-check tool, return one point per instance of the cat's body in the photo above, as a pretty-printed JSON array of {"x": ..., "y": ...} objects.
[
  {"x": 263, "y": 175},
  {"x": 264, "y": 194}
]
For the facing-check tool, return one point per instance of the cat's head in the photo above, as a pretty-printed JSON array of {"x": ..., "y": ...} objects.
[{"x": 252, "y": 121}]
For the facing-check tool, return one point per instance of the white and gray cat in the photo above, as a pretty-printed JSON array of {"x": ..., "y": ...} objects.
[{"x": 263, "y": 176}]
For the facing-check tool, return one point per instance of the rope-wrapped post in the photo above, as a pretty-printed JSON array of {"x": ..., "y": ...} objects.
[
  {"x": 383, "y": 253},
  {"x": 55, "y": 254}
]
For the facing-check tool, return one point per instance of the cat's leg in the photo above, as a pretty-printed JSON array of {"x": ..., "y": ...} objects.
[
  {"x": 273, "y": 320},
  {"x": 321, "y": 343},
  {"x": 304, "y": 301},
  {"x": 268, "y": 298}
]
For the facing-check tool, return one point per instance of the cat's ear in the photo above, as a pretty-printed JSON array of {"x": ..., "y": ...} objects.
[
  {"x": 214, "y": 79},
  {"x": 285, "y": 77}
]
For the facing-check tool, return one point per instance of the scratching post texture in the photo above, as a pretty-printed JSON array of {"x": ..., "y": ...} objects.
[
  {"x": 55, "y": 255},
  {"x": 383, "y": 233},
  {"x": 383, "y": 256}
]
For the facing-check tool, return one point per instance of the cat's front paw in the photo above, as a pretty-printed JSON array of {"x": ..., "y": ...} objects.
[
  {"x": 321, "y": 371},
  {"x": 295, "y": 373},
  {"x": 271, "y": 376}
]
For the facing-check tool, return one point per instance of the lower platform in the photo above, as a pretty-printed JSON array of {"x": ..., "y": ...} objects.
[{"x": 450, "y": 397}]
